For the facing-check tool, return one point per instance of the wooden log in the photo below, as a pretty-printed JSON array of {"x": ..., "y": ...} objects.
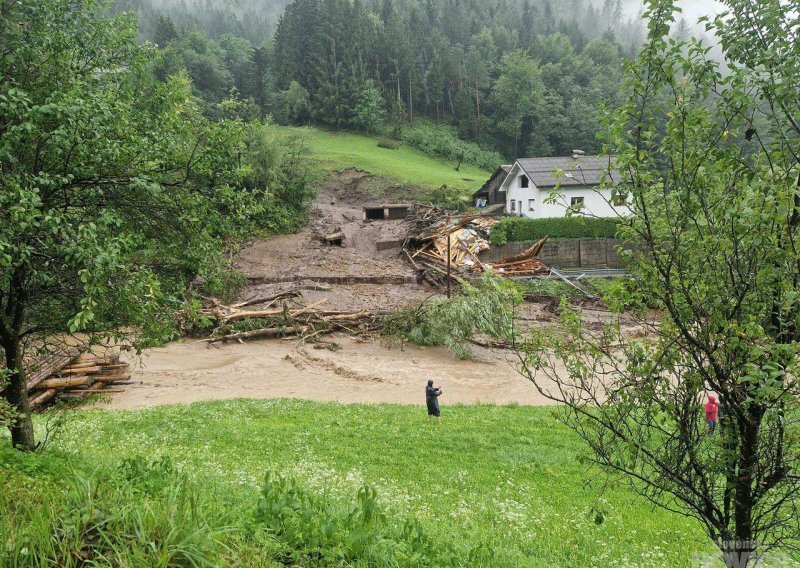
[
  {"x": 269, "y": 332},
  {"x": 411, "y": 260},
  {"x": 527, "y": 254},
  {"x": 78, "y": 371},
  {"x": 66, "y": 383},
  {"x": 444, "y": 274},
  {"x": 41, "y": 398},
  {"x": 111, "y": 378},
  {"x": 270, "y": 313},
  {"x": 46, "y": 366},
  {"x": 85, "y": 364},
  {"x": 266, "y": 299},
  {"x": 490, "y": 343},
  {"x": 349, "y": 317}
]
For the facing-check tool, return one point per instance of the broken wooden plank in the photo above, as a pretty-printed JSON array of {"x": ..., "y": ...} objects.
[{"x": 46, "y": 366}]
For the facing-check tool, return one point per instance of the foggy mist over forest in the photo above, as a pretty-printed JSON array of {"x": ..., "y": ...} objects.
[{"x": 691, "y": 9}]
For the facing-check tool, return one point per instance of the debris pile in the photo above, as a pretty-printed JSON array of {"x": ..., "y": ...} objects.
[
  {"x": 282, "y": 316},
  {"x": 70, "y": 374},
  {"x": 462, "y": 238},
  {"x": 522, "y": 264}
]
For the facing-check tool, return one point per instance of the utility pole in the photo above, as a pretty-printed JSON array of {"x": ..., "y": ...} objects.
[{"x": 448, "y": 264}]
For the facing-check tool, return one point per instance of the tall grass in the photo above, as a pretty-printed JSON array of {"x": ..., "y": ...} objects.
[{"x": 140, "y": 514}]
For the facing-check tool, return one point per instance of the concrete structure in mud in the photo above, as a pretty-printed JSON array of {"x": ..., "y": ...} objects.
[{"x": 387, "y": 212}]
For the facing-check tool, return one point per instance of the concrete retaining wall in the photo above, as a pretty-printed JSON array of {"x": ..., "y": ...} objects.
[{"x": 565, "y": 253}]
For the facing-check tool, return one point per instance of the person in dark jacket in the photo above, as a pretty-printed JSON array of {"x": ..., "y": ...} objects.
[{"x": 432, "y": 395}]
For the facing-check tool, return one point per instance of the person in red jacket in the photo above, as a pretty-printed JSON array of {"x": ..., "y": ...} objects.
[{"x": 712, "y": 414}]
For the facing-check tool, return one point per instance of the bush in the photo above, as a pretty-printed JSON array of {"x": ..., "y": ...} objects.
[
  {"x": 516, "y": 229},
  {"x": 443, "y": 141},
  {"x": 142, "y": 514},
  {"x": 484, "y": 307},
  {"x": 389, "y": 143},
  {"x": 313, "y": 531}
]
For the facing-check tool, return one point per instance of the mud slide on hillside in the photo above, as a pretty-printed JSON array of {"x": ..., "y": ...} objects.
[{"x": 360, "y": 274}]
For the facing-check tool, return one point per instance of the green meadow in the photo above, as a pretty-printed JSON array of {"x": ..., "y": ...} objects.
[
  {"x": 490, "y": 485},
  {"x": 343, "y": 150}
]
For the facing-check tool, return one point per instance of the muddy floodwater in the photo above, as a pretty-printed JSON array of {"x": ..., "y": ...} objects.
[{"x": 360, "y": 371}]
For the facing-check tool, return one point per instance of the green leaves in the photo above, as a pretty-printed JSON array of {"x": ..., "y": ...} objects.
[
  {"x": 313, "y": 529},
  {"x": 116, "y": 191}
]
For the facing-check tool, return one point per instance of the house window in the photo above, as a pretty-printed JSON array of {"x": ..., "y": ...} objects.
[
  {"x": 513, "y": 205},
  {"x": 620, "y": 199},
  {"x": 524, "y": 181},
  {"x": 576, "y": 202},
  {"x": 531, "y": 203}
]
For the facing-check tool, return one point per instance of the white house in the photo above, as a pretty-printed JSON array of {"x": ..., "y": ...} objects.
[{"x": 534, "y": 189}]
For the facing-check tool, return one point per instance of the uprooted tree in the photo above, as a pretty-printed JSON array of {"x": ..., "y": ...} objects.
[
  {"x": 711, "y": 160},
  {"x": 114, "y": 190}
]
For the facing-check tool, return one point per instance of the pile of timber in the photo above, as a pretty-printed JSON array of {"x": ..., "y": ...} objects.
[
  {"x": 69, "y": 374},
  {"x": 281, "y": 316},
  {"x": 463, "y": 238}
]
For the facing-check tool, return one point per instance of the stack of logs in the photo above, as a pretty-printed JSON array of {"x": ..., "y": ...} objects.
[
  {"x": 275, "y": 317},
  {"x": 69, "y": 375}
]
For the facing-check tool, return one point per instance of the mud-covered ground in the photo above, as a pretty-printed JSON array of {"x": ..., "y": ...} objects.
[{"x": 278, "y": 264}]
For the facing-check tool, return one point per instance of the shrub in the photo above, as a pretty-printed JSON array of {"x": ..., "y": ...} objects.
[
  {"x": 515, "y": 229},
  {"x": 142, "y": 514},
  {"x": 389, "y": 143},
  {"x": 485, "y": 307},
  {"x": 443, "y": 141},
  {"x": 314, "y": 531}
]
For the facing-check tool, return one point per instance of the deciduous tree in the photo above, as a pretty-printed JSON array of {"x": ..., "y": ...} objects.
[
  {"x": 711, "y": 162},
  {"x": 113, "y": 188}
]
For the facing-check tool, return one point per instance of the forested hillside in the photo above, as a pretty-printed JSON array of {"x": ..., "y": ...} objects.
[{"x": 519, "y": 77}]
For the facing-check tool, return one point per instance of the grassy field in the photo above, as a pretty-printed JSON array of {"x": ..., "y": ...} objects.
[
  {"x": 341, "y": 150},
  {"x": 507, "y": 479}
]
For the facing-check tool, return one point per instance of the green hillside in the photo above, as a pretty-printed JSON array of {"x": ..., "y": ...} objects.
[{"x": 342, "y": 150}]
